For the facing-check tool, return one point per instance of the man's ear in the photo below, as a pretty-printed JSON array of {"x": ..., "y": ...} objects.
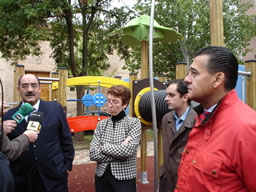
[
  {"x": 219, "y": 79},
  {"x": 185, "y": 97}
]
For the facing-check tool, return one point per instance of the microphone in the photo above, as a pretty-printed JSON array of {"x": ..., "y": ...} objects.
[
  {"x": 23, "y": 111},
  {"x": 35, "y": 121}
]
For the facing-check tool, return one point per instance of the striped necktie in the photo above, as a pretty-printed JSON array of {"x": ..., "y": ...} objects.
[{"x": 203, "y": 115}]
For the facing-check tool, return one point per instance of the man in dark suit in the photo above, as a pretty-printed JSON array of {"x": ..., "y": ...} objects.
[{"x": 46, "y": 165}]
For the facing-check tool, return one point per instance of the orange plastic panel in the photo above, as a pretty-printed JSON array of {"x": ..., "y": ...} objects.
[{"x": 83, "y": 123}]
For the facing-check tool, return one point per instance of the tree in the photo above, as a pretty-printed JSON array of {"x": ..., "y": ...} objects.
[
  {"x": 191, "y": 18},
  {"x": 76, "y": 31}
]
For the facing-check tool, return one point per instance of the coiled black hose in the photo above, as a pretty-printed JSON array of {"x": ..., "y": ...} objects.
[{"x": 161, "y": 105}]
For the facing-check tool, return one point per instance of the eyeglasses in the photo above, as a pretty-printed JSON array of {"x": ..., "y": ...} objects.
[
  {"x": 27, "y": 85},
  {"x": 115, "y": 102}
]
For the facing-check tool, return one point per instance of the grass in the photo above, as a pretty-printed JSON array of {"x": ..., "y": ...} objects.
[
  {"x": 78, "y": 145},
  {"x": 150, "y": 135},
  {"x": 83, "y": 144}
]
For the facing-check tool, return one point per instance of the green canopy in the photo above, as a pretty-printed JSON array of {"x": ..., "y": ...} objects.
[{"x": 137, "y": 30}]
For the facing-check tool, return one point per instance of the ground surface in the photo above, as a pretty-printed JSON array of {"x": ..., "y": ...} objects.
[{"x": 81, "y": 178}]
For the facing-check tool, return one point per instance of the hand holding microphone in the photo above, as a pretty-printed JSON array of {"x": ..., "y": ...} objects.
[
  {"x": 32, "y": 135},
  {"x": 23, "y": 111},
  {"x": 34, "y": 126}
]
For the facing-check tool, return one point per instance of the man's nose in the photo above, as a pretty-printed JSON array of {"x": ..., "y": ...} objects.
[
  {"x": 30, "y": 88},
  {"x": 187, "y": 78}
]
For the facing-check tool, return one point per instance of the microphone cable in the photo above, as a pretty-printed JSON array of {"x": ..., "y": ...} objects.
[{"x": 2, "y": 113}]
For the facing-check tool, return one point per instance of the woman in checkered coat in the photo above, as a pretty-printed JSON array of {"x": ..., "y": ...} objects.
[{"x": 114, "y": 145}]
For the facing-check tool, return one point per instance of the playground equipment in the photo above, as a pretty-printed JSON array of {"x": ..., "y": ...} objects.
[
  {"x": 91, "y": 81},
  {"x": 85, "y": 123},
  {"x": 142, "y": 100}
]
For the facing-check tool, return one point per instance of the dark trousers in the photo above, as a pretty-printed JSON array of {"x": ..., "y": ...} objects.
[
  {"x": 35, "y": 184},
  {"x": 32, "y": 183},
  {"x": 108, "y": 183}
]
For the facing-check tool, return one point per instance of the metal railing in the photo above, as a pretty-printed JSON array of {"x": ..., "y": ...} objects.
[{"x": 244, "y": 74}]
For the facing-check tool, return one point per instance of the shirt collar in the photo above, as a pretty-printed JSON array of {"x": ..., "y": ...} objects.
[
  {"x": 36, "y": 106},
  {"x": 211, "y": 108},
  {"x": 183, "y": 117}
]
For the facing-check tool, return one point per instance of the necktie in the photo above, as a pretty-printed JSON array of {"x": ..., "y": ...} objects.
[
  {"x": 203, "y": 115},
  {"x": 29, "y": 115}
]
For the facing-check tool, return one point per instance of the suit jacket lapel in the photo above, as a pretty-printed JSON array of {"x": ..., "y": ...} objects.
[
  {"x": 24, "y": 124},
  {"x": 43, "y": 108}
]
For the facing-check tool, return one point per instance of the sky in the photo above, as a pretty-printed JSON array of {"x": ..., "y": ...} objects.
[{"x": 119, "y": 3}]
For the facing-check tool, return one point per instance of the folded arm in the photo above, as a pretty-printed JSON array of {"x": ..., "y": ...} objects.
[
  {"x": 129, "y": 145},
  {"x": 95, "y": 150}
]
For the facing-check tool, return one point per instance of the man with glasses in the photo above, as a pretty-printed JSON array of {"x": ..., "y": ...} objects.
[{"x": 46, "y": 165}]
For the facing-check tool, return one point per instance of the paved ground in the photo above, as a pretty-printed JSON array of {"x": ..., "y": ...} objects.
[
  {"x": 81, "y": 178},
  {"x": 82, "y": 155}
]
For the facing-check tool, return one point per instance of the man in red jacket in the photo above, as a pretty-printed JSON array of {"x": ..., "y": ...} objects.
[{"x": 219, "y": 155}]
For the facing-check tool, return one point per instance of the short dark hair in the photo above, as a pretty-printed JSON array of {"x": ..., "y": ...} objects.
[
  {"x": 27, "y": 74},
  {"x": 221, "y": 59},
  {"x": 182, "y": 87},
  {"x": 120, "y": 91}
]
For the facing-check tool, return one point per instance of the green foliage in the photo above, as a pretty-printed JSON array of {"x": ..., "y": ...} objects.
[
  {"x": 239, "y": 28},
  {"x": 191, "y": 18},
  {"x": 19, "y": 32},
  {"x": 76, "y": 32}
]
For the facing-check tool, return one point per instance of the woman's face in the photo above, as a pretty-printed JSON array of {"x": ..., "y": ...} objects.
[{"x": 115, "y": 105}]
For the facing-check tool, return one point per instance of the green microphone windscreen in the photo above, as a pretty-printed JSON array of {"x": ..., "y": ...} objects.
[{"x": 25, "y": 109}]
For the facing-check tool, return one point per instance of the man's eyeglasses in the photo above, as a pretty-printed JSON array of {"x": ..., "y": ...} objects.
[{"x": 33, "y": 86}]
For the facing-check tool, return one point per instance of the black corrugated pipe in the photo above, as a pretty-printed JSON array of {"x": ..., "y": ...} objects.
[{"x": 161, "y": 105}]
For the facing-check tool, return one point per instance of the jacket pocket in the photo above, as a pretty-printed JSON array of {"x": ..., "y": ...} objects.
[
  {"x": 207, "y": 169},
  {"x": 58, "y": 167},
  {"x": 207, "y": 163},
  {"x": 57, "y": 159}
]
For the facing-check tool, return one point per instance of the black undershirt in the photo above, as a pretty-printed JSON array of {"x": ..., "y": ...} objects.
[{"x": 118, "y": 116}]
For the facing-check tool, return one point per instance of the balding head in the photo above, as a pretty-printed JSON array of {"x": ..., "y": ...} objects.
[{"x": 29, "y": 88}]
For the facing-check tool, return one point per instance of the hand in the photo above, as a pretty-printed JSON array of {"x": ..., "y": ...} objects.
[
  {"x": 126, "y": 141},
  {"x": 5, "y": 108},
  {"x": 32, "y": 135},
  {"x": 9, "y": 126}
]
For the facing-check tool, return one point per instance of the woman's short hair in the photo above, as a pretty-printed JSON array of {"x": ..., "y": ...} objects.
[{"x": 120, "y": 91}]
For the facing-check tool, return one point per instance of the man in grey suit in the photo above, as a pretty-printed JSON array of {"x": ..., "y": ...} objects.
[
  {"x": 176, "y": 126},
  {"x": 13, "y": 149}
]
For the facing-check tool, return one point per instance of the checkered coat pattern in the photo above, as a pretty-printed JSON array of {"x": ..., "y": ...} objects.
[{"x": 106, "y": 147}]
